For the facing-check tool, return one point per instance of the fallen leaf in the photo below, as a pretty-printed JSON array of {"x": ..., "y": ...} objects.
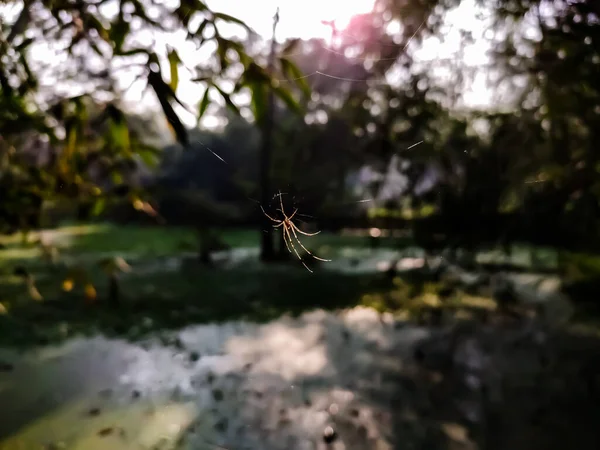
[
  {"x": 67, "y": 285},
  {"x": 90, "y": 292}
]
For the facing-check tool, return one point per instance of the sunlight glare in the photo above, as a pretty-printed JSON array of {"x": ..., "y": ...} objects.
[{"x": 297, "y": 19}]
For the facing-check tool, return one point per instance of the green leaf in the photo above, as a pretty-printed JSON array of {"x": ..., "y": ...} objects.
[
  {"x": 94, "y": 23},
  {"x": 118, "y": 32},
  {"x": 255, "y": 74},
  {"x": 99, "y": 207},
  {"x": 201, "y": 28},
  {"x": 153, "y": 59},
  {"x": 203, "y": 105},
  {"x": 174, "y": 62},
  {"x": 118, "y": 131},
  {"x": 222, "y": 47},
  {"x": 259, "y": 100},
  {"x": 201, "y": 79},
  {"x": 115, "y": 114},
  {"x": 165, "y": 94},
  {"x": 293, "y": 73},
  {"x": 23, "y": 45},
  {"x": 228, "y": 101},
  {"x": 134, "y": 51},
  {"x": 228, "y": 18},
  {"x": 95, "y": 48},
  {"x": 288, "y": 99},
  {"x": 20, "y": 24},
  {"x": 149, "y": 156}
]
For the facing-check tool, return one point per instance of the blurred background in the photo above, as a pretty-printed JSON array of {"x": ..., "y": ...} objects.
[{"x": 364, "y": 224}]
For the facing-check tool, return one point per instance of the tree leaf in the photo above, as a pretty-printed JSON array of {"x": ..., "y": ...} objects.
[
  {"x": 222, "y": 47},
  {"x": 228, "y": 101},
  {"x": 203, "y": 104},
  {"x": 133, "y": 51},
  {"x": 20, "y": 24},
  {"x": 149, "y": 156},
  {"x": 255, "y": 73},
  {"x": 288, "y": 99},
  {"x": 95, "y": 47},
  {"x": 259, "y": 101},
  {"x": 120, "y": 136},
  {"x": 23, "y": 45},
  {"x": 293, "y": 73},
  {"x": 200, "y": 31},
  {"x": 118, "y": 32},
  {"x": 95, "y": 24},
  {"x": 98, "y": 207},
  {"x": 201, "y": 79},
  {"x": 174, "y": 62},
  {"x": 164, "y": 92},
  {"x": 228, "y": 18},
  {"x": 114, "y": 113}
]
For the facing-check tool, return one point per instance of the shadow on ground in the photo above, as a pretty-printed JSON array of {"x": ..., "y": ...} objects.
[
  {"x": 356, "y": 379},
  {"x": 171, "y": 300}
]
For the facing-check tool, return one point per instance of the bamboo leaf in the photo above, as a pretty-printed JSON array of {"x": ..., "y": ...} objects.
[
  {"x": 164, "y": 93},
  {"x": 203, "y": 104},
  {"x": 118, "y": 32},
  {"x": 228, "y": 100},
  {"x": 174, "y": 62},
  {"x": 134, "y": 51},
  {"x": 231, "y": 19},
  {"x": 259, "y": 100},
  {"x": 99, "y": 207},
  {"x": 293, "y": 73},
  {"x": 149, "y": 156},
  {"x": 201, "y": 28},
  {"x": 287, "y": 98}
]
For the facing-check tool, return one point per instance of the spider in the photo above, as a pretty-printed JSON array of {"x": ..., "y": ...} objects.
[{"x": 289, "y": 228}]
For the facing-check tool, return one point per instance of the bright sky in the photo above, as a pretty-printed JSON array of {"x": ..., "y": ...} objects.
[
  {"x": 297, "y": 18},
  {"x": 303, "y": 19}
]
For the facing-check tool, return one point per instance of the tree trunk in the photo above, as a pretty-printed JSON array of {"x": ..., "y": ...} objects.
[
  {"x": 113, "y": 290},
  {"x": 204, "y": 246},
  {"x": 267, "y": 250}
]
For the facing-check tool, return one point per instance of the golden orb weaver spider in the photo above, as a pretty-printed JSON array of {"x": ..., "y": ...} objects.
[{"x": 290, "y": 229}]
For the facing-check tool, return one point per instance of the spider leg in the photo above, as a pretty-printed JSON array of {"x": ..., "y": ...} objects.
[
  {"x": 285, "y": 240},
  {"x": 281, "y": 203},
  {"x": 289, "y": 236},
  {"x": 304, "y": 232},
  {"x": 286, "y": 217},
  {"x": 264, "y": 212},
  {"x": 305, "y": 249},
  {"x": 278, "y": 225}
]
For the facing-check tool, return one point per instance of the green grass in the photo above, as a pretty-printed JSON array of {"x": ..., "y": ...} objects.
[
  {"x": 171, "y": 299},
  {"x": 160, "y": 299},
  {"x": 156, "y": 241}
]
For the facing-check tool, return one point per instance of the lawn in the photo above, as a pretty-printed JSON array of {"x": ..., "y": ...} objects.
[
  {"x": 155, "y": 297},
  {"x": 158, "y": 298},
  {"x": 155, "y": 241}
]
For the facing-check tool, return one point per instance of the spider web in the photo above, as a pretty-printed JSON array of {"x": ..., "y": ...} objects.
[
  {"x": 317, "y": 73},
  {"x": 278, "y": 197}
]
